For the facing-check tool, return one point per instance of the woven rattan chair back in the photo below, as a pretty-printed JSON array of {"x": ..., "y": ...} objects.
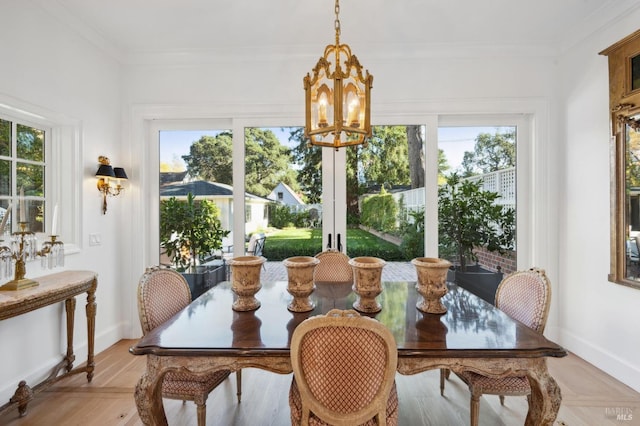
[
  {"x": 161, "y": 294},
  {"x": 526, "y": 296},
  {"x": 333, "y": 267},
  {"x": 344, "y": 367}
]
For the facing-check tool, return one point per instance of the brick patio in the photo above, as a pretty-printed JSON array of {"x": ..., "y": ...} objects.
[{"x": 393, "y": 271}]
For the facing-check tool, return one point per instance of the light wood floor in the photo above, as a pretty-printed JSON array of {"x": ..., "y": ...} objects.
[{"x": 590, "y": 397}]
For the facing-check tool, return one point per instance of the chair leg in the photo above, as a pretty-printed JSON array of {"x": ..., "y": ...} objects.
[
  {"x": 239, "y": 384},
  {"x": 202, "y": 414},
  {"x": 501, "y": 399},
  {"x": 475, "y": 409},
  {"x": 442, "y": 377}
]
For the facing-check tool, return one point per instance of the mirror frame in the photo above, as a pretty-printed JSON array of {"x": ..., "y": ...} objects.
[{"x": 624, "y": 105}]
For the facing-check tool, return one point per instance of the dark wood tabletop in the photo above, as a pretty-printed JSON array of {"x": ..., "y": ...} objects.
[{"x": 470, "y": 328}]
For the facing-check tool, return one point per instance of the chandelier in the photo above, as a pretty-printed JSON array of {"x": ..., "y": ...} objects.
[{"x": 338, "y": 100}]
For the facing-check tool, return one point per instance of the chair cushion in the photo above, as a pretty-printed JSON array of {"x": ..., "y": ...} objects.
[
  {"x": 186, "y": 385},
  {"x": 503, "y": 386},
  {"x": 295, "y": 403}
]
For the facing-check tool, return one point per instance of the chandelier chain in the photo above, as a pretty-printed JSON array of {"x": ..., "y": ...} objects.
[{"x": 337, "y": 22}]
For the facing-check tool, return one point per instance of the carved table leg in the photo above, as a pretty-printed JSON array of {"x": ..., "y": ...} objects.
[
  {"x": 545, "y": 399},
  {"x": 148, "y": 395},
  {"x": 91, "y": 309},
  {"x": 70, "y": 308}
]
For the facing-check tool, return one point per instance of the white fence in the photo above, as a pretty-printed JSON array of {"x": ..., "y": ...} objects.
[{"x": 502, "y": 181}]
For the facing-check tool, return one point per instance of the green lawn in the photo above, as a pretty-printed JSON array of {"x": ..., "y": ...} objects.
[{"x": 289, "y": 242}]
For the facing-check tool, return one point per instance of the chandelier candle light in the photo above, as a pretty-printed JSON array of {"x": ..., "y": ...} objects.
[{"x": 337, "y": 101}]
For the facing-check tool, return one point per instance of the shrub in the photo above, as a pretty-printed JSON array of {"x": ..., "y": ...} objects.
[
  {"x": 379, "y": 212},
  {"x": 413, "y": 235}
]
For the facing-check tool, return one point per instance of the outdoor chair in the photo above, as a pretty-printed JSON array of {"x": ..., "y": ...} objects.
[
  {"x": 344, "y": 368},
  {"x": 524, "y": 296},
  {"x": 256, "y": 246},
  {"x": 162, "y": 293}
]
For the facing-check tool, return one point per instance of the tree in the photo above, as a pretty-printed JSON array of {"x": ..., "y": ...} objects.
[
  {"x": 415, "y": 144},
  {"x": 468, "y": 217},
  {"x": 490, "y": 153},
  {"x": 210, "y": 158},
  {"x": 309, "y": 162},
  {"x": 189, "y": 230},
  {"x": 443, "y": 167},
  {"x": 267, "y": 162},
  {"x": 385, "y": 160}
]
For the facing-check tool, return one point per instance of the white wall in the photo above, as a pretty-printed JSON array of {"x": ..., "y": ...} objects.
[
  {"x": 49, "y": 70},
  {"x": 599, "y": 320}
]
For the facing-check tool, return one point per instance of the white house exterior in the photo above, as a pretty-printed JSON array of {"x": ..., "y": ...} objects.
[{"x": 283, "y": 194}]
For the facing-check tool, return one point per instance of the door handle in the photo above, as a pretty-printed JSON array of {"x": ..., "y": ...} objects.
[
  {"x": 339, "y": 243},
  {"x": 329, "y": 245}
]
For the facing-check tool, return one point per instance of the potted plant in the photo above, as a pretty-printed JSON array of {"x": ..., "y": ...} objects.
[
  {"x": 189, "y": 232},
  {"x": 468, "y": 217}
]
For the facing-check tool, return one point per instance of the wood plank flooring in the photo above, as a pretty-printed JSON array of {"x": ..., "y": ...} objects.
[{"x": 590, "y": 397}]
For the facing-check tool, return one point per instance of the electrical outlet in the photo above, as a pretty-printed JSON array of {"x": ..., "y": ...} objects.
[{"x": 95, "y": 239}]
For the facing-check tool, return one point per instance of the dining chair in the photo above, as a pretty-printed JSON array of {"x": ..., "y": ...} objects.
[
  {"x": 524, "y": 296},
  {"x": 333, "y": 267},
  {"x": 162, "y": 293},
  {"x": 344, "y": 368}
]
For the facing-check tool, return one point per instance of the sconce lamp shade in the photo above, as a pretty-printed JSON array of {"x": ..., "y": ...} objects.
[
  {"x": 120, "y": 173},
  {"x": 105, "y": 170}
]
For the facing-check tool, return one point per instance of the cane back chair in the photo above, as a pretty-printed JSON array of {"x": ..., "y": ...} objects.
[
  {"x": 162, "y": 293},
  {"x": 333, "y": 267},
  {"x": 524, "y": 296},
  {"x": 344, "y": 367}
]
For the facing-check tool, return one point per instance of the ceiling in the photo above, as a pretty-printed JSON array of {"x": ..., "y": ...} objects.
[{"x": 130, "y": 27}]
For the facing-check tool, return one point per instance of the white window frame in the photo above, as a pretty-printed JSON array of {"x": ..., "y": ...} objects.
[{"x": 63, "y": 151}]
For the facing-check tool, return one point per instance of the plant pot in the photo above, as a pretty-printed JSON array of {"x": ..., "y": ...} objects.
[
  {"x": 204, "y": 277},
  {"x": 481, "y": 282},
  {"x": 245, "y": 281},
  {"x": 367, "y": 283},
  {"x": 300, "y": 282},
  {"x": 432, "y": 278}
]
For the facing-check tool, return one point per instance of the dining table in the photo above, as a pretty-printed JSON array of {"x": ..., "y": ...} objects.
[{"x": 472, "y": 335}]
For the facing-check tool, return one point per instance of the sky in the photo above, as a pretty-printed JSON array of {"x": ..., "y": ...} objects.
[{"x": 453, "y": 140}]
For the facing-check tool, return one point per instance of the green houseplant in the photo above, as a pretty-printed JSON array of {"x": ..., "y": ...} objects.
[
  {"x": 189, "y": 231},
  {"x": 468, "y": 218}
]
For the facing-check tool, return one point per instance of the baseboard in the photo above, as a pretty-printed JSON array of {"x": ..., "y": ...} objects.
[
  {"x": 618, "y": 368},
  {"x": 103, "y": 340}
]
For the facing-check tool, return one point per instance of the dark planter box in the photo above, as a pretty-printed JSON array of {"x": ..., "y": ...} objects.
[
  {"x": 481, "y": 282},
  {"x": 205, "y": 277}
]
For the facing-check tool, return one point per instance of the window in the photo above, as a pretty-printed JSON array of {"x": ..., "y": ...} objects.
[
  {"x": 280, "y": 196},
  {"x": 23, "y": 148},
  {"x": 624, "y": 103}
]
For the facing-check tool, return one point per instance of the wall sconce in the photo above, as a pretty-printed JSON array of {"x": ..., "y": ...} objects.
[{"x": 104, "y": 174}]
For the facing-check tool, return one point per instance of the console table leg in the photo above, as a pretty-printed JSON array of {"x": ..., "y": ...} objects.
[
  {"x": 91, "y": 309},
  {"x": 70, "y": 308},
  {"x": 22, "y": 396}
]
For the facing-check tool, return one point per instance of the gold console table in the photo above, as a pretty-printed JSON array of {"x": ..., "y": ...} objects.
[{"x": 54, "y": 288}]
